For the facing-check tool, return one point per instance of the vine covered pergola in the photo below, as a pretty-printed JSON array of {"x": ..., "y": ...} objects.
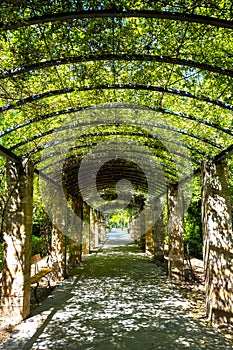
[{"x": 94, "y": 93}]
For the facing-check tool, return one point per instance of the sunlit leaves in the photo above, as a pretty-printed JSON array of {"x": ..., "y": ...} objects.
[{"x": 73, "y": 66}]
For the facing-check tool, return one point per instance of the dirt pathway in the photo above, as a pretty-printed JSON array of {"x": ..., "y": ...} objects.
[{"x": 118, "y": 299}]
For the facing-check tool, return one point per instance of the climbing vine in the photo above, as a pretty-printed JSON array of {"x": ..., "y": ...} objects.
[{"x": 171, "y": 61}]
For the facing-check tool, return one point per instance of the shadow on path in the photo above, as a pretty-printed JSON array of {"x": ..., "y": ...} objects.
[{"x": 118, "y": 299}]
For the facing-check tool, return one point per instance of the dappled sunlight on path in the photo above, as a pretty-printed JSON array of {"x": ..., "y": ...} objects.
[
  {"x": 117, "y": 238},
  {"x": 118, "y": 299}
]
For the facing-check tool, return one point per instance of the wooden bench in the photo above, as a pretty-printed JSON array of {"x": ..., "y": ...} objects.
[{"x": 38, "y": 274}]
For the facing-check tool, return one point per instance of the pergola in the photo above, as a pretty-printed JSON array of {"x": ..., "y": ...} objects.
[{"x": 101, "y": 97}]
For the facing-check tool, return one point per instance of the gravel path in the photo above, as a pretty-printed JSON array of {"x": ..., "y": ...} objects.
[{"x": 118, "y": 299}]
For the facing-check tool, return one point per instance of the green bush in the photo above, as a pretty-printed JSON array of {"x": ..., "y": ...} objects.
[
  {"x": 194, "y": 245},
  {"x": 192, "y": 222},
  {"x": 193, "y": 230},
  {"x": 38, "y": 246}
]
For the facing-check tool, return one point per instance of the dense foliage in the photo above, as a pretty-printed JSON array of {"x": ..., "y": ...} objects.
[
  {"x": 192, "y": 223},
  {"x": 161, "y": 69}
]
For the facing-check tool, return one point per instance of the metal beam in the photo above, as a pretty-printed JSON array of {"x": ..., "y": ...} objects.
[
  {"x": 13, "y": 157},
  {"x": 224, "y": 154},
  {"x": 9, "y": 154},
  {"x": 114, "y": 13},
  {"x": 165, "y": 90},
  {"x": 115, "y": 57}
]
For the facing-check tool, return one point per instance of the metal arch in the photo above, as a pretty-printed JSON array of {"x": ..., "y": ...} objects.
[
  {"x": 218, "y": 158},
  {"x": 221, "y": 154},
  {"x": 68, "y": 16},
  {"x": 170, "y": 177},
  {"x": 57, "y": 154},
  {"x": 160, "y": 126},
  {"x": 165, "y": 165},
  {"x": 165, "y": 158},
  {"x": 40, "y": 149},
  {"x": 15, "y": 158},
  {"x": 159, "y": 89},
  {"x": 9, "y": 154},
  {"x": 227, "y": 152},
  {"x": 140, "y": 158},
  {"x": 52, "y": 93},
  {"x": 140, "y": 107},
  {"x": 170, "y": 173},
  {"x": 43, "y": 117},
  {"x": 94, "y": 144},
  {"x": 115, "y": 57},
  {"x": 33, "y": 98},
  {"x": 158, "y": 188}
]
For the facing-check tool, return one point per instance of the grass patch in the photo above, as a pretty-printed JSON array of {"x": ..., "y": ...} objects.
[{"x": 112, "y": 262}]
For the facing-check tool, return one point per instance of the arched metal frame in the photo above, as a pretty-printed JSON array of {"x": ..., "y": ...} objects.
[
  {"x": 114, "y": 57},
  {"x": 67, "y": 127},
  {"x": 84, "y": 108},
  {"x": 137, "y": 87},
  {"x": 31, "y": 68},
  {"x": 172, "y": 16}
]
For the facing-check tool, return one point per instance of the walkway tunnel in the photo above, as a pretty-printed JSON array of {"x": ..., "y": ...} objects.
[{"x": 116, "y": 106}]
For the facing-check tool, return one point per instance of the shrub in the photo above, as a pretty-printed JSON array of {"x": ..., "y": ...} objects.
[
  {"x": 193, "y": 230},
  {"x": 38, "y": 246}
]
